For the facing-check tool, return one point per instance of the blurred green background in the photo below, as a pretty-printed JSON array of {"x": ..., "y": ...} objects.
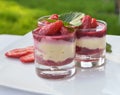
[{"x": 20, "y": 16}]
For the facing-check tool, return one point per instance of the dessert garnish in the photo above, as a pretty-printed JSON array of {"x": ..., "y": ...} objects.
[
  {"x": 88, "y": 22},
  {"x": 25, "y": 55}
]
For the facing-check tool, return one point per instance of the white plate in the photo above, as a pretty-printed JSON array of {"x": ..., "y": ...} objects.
[{"x": 90, "y": 82}]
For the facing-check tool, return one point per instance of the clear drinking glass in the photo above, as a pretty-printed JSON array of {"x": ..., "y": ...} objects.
[
  {"x": 91, "y": 46},
  {"x": 54, "y": 55}
]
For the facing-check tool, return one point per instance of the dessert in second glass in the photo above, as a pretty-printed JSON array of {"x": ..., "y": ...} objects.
[
  {"x": 54, "y": 49},
  {"x": 91, "y": 42}
]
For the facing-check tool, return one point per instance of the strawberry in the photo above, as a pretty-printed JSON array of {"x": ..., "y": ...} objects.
[
  {"x": 27, "y": 58},
  {"x": 31, "y": 48},
  {"x": 86, "y": 22},
  {"x": 94, "y": 23},
  {"x": 52, "y": 28},
  {"x": 16, "y": 53},
  {"x": 64, "y": 30},
  {"x": 54, "y": 16}
]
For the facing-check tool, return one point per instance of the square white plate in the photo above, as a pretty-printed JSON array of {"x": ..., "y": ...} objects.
[{"x": 86, "y": 82}]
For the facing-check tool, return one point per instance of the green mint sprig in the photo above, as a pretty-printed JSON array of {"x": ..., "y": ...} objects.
[{"x": 72, "y": 18}]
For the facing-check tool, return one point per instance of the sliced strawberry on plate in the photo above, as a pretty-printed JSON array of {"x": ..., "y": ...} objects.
[
  {"x": 30, "y": 49},
  {"x": 54, "y": 16},
  {"x": 27, "y": 58},
  {"x": 16, "y": 53},
  {"x": 52, "y": 28}
]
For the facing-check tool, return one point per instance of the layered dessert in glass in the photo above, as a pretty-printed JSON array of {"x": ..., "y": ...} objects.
[
  {"x": 91, "y": 42},
  {"x": 54, "y": 49}
]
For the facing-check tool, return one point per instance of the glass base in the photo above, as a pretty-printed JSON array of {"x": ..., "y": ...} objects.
[
  {"x": 91, "y": 64},
  {"x": 89, "y": 61},
  {"x": 56, "y": 72}
]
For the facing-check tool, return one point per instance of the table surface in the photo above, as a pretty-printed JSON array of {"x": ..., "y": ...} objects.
[
  {"x": 6, "y": 90},
  {"x": 10, "y": 39}
]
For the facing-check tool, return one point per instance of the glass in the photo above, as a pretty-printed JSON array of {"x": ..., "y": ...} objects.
[
  {"x": 91, "y": 46},
  {"x": 54, "y": 55}
]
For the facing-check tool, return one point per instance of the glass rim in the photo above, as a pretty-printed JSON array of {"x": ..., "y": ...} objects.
[
  {"x": 101, "y": 21},
  {"x": 43, "y": 17}
]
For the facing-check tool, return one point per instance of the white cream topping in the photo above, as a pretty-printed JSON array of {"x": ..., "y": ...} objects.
[
  {"x": 92, "y": 42},
  {"x": 58, "y": 51}
]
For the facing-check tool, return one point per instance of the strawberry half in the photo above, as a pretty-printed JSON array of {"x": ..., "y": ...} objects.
[{"x": 52, "y": 28}]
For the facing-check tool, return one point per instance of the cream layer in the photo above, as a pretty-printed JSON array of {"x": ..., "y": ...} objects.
[
  {"x": 92, "y": 42},
  {"x": 58, "y": 51}
]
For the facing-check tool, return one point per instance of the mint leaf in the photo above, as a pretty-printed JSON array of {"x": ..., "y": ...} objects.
[
  {"x": 108, "y": 48},
  {"x": 66, "y": 24},
  {"x": 72, "y": 18},
  {"x": 76, "y": 21},
  {"x": 70, "y": 29}
]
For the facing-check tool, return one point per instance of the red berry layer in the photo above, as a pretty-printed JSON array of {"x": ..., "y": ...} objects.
[
  {"x": 40, "y": 60},
  {"x": 86, "y": 51}
]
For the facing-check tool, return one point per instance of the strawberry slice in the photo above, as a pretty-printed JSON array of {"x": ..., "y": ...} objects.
[
  {"x": 94, "y": 23},
  {"x": 54, "y": 16},
  {"x": 52, "y": 28},
  {"x": 16, "y": 53},
  {"x": 30, "y": 48},
  {"x": 27, "y": 58},
  {"x": 86, "y": 22}
]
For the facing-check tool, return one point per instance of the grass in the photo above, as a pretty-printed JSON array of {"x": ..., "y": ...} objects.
[{"x": 20, "y": 16}]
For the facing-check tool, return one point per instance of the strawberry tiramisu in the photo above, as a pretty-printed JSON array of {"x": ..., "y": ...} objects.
[
  {"x": 54, "y": 49},
  {"x": 91, "y": 42}
]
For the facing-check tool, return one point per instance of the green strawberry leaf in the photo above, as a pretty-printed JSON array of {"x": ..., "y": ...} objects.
[
  {"x": 108, "y": 48},
  {"x": 72, "y": 18},
  {"x": 70, "y": 29},
  {"x": 53, "y": 20}
]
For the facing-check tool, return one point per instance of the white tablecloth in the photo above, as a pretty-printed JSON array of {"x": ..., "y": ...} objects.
[{"x": 5, "y": 40}]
